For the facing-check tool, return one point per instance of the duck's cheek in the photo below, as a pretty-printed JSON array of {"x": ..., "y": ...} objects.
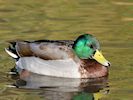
[{"x": 86, "y": 52}]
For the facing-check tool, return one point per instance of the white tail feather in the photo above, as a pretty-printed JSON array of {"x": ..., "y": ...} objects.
[{"x": 11, "y": 54}]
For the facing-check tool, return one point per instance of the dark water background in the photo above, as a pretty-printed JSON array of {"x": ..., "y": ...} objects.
[{"x": 111, "y": 21}]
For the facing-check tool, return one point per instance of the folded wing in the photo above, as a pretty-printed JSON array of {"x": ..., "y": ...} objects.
[{"x": 45, "y": 50}]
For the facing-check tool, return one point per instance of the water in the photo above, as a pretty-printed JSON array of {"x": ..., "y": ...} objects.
[{"x": 111, "y": 21}]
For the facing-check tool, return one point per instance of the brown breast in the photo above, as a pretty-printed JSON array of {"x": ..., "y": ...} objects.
[{"x": 92, "y": 69}]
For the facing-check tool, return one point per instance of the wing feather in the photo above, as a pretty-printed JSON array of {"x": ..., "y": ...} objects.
[{"x": 48, "y": 50}]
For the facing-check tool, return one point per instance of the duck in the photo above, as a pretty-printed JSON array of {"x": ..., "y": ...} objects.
[{"x": 80, "y": 58}]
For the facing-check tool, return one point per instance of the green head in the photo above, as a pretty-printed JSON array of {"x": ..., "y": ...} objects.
[{"x": 87, "y": 47}]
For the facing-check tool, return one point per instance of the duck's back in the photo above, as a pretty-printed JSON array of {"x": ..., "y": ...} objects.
[{"x": 45, "y": 49}]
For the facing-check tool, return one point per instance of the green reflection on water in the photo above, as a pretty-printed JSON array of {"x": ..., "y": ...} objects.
[{"x": 111, "y": 21}]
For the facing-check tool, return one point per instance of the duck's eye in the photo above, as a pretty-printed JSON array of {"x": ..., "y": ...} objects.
[{"x": 91, "y": 46}]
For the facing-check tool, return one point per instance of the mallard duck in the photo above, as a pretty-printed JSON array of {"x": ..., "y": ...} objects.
[{"x": 81, "y": 58}]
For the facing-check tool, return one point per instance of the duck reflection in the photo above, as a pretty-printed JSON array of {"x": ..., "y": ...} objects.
[{"x": 55, "y": 88}]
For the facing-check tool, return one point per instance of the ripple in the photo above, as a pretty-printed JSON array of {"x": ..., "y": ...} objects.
[{"x": 123, "y": 3}]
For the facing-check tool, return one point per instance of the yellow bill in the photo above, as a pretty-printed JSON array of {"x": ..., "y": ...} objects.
[{"x": 100, "y": 58}]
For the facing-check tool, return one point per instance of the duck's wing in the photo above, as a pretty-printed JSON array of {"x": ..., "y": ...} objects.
[{"x": 45, "y": 49}]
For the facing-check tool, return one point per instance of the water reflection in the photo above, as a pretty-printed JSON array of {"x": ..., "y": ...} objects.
[{"x": 54, "y": 88}]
